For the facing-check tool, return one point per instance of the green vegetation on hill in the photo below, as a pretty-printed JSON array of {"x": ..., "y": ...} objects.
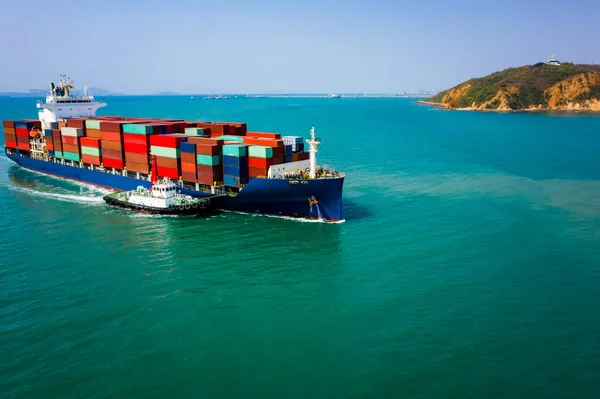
[{"x": 522, "y": 87}]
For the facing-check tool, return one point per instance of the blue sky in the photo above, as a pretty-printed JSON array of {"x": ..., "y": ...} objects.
[{"x": 275, "y": 46}]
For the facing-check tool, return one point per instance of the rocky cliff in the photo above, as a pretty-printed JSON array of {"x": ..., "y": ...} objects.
[{"x": 533, "y": 87}]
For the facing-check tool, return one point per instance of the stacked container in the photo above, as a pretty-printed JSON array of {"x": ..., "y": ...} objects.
[
  {"x": 188, "y": 162},
  {"x": 287, "y": 153},
  {"x": 195, "y": 131},
  {"x": 10, "y": 136},
  {"x": 259, "y": 160},
  {"x": 92, "y": 128},
  {"x": 91, "y": 151},
  {"x": 235, "y": 164},
  {"x": 49, "y": 142},
  {"x": 296, "y": 142},
  {"x": 57, "y": 143},
  {"x": 136, "y": 141},
  {"x": 166, "y": 147},
  {"x": 208, "y": 160},
  {"x": 22, "y": 129},
  {"x": 70, "y": 137},
  {"x": 111, "y": 142}
]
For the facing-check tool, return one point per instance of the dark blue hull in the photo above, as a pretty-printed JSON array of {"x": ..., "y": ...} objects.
[{"x": 268, "y": 196}]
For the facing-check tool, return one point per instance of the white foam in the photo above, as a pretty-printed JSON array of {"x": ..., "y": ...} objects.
[
  {"x": 60, "y": 197},
  {"x": 293, "y": 219},
  {"x": 90, "y": 187}
]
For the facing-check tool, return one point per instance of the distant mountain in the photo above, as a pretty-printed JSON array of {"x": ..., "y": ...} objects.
[
  {"x": 167, "y": 93},
  {"x": 94, "y": 91},
  {"x": 543, "y": 86}
]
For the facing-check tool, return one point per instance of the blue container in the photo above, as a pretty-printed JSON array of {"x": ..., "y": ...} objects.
[
  {"x": 238, "y": 162},
  {"x": 188, "y": 147},
  {"x": 288, "y": 149},
  {"x": 299, "y": 147},
  {"x": 23, "y": 125},
  {"x": 231, "y": 181},
  {"x": 47, "y": 132},
  {"x": 50, "y": 153},
  {"x": 54, "y": 125},
  {"x": 287, "y": 158}
]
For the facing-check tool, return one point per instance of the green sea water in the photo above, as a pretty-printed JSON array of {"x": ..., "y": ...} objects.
[{"x": 468, "y": 266}]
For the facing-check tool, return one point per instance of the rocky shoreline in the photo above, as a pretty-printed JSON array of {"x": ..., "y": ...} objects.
[{"x": 590, "y": 106}]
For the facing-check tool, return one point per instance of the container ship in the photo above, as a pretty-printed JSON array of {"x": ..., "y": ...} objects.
[{"x": 240, "y": 170}]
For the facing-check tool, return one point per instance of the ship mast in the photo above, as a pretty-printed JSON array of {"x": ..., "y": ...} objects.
[{"x": 313, "y": 142}]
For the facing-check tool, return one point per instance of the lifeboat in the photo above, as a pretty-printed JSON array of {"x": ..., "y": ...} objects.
[{"x": 35, "y": 133}]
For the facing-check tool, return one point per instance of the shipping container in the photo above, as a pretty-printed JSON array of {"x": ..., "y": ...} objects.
[
  {"x": 131, "y": 157},
  {"x": 136, "y": 139},
  {"x": 72, "y": 156},
  {"x": 112, "y": 163},
  {"x": 188, "y": 147},
  {"x": 70, "y": 140},
  {"x": 264, "y": 135},
  {"x": 111, "y": 136},
  {"x": 231, "y": 181},
  {"x": 92, "y": 151},
  {"x": 112, "y": 154},
  {"x": 89, "y": 142},
  {"x": 76, "y": 123},
  {"x": 204, "y": 141},
  {"x": 71, "y": 131},
  {"x": 194, "y": 131},
  {"x": 165, "y": 151},
  {"x": 208, "y": 149},
  {"x": 168, "y": 140},
  {"x": 209, "y": 174},
  {"x": 208, "y": 159},
  {"x": 260, "y": 152},
  {"x": 235, "y": 150},
  {"x": 70, "y": 148},
  {"x": 94, "y": 133},
  {"x": 58, "y": 154},
  {"x": 168, "y": 172},
  {"x": 172, "y": 163},
  {"x": 90, "y": 159},
  {"x": 136, "y": 148},
  {"x": 237, "y": 139},
  {"x": 260, "y": 162},
  {"x": 92, "y": 124},
  {"x": 138, "y": 167}
]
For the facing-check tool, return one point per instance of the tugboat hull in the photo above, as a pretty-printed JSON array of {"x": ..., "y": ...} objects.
[{"x": 202, "y": 208}]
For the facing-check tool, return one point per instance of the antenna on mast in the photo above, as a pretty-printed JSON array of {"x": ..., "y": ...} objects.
[{"x": 313, "y": 143}]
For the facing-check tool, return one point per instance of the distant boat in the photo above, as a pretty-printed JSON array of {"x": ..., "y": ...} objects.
[{"x": 334, "y": 96}]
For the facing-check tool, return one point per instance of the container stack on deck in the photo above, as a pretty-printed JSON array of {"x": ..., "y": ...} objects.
[
  {"x": 235, "y": 164},
  {"x": 70, "y": 137},
  {"x": 10, "y": 136},
  {"x": 166, "y": 147},
  {"x": 111, "y": 142},
  {"x": 196, "y": 152}
]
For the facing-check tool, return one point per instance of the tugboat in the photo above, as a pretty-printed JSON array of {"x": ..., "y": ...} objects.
[{"x": 162, "y": 198}]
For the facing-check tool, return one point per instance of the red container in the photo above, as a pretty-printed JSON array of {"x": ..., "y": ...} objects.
[
  {"x": 112, "y": 126},
  {"x": 215, "y": 130},
  {"x": 205, "y": 141},
  {"x": 21, "y": 132},
  {"x": 111, "y": 136},
  {"x": 89, "y": 142},
  {"x": 303, "y": 156},
  {"x": 171, "y": 163},
  {"x": 112, "y": 154},
  {"x": 136, "y": 148},
  {"x": 264, "y": 135},
  {"x": 209, "y": 174},
  {"x": 112, "y": 163},
  {"x": 70, "y": 140},
  {"x": 172, "y": 173},
  {"x": 189, "y": 177},
  {"x": 10, "y": 131},
  {"x": 57, "y": 144},
  {"x": 112, "y": 145},
  {"x": 167, "y": 140},
  {"x": 257, "y": 172},
  {"x": 136, "y": 139},
  {"x": 50, "y": 145},
  {"x": 94, "y": 133},
  {"x": 137, "y": 167},
  {"x": 90, "y": 159},
  {"x": 262, "y": 163},
  {"x": 78, "y": 123},
  {"x": 23, "y": 146},
  {"x": 188, "y": 157},
  {"x": 8, "y": 124},
  {"x": 189, "y": 167},
  {"x": 70, "y": 148},
  {"x": 136, "y": 158},
  {"x": 10, "y": 144},
  {"x": 208, "y": 149}
]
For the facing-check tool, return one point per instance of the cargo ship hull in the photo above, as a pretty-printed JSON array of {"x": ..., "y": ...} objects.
[{"x": 282, "y": 197}]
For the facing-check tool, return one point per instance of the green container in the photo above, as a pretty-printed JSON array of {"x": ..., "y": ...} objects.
[
  {"x": 211, "y": 160},
  {"x": 72, "y": 156},
  {"x": 58, "y": 154},
  {"x": 194, "y": 131},
  {"x": 235, "y": 150},
  {"x": 231, "y": 138},
  {"x": 92, "y": 124},
  {"x": 91, "y": 151},
  {"x": 165, "y": 151},
  {"x": 258, "y": 151},
  {"x": 134, "y": 128}
]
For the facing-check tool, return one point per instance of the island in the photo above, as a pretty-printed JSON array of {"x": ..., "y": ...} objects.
[{"x": 545, "y": 86}]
